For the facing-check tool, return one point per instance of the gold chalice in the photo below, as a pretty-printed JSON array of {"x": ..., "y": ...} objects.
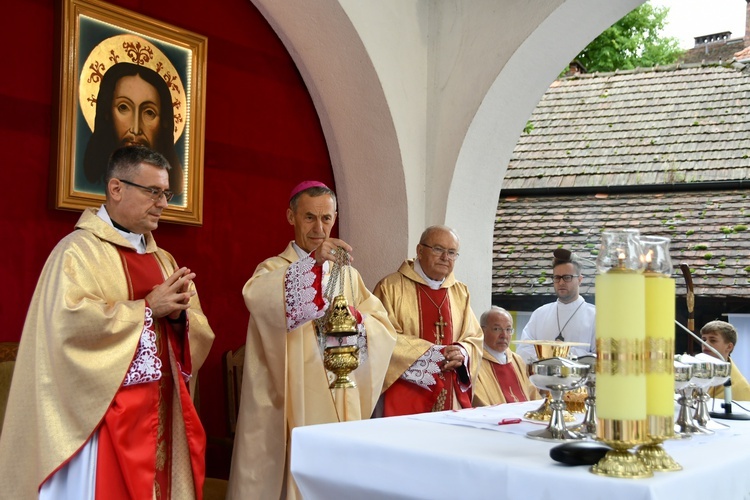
[{"x": 547, "y": 349}]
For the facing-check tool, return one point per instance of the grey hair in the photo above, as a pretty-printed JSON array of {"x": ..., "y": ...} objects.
[
  {"x": 432, "y": 229},
  {"x": 126, "y": 162},
  {"x": 493, "y": 309},
  {"x": 313, "y": 192}
]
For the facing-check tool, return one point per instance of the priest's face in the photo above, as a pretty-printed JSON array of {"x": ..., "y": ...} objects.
[
  {"x": 312, "y": 220},
  {"x": 134, "y": 207},
  {"x": 434, "y": 254},
  {"x": 498, "y": 331},
  {"x": 566, "y": 292}
]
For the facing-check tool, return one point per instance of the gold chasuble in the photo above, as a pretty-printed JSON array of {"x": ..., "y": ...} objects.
[
  {"x": 82, "y": 333},
  {"x": 424, "y": 318},
  {"x": 285, "y": 384},
  {"x": 506, "y": 383}
]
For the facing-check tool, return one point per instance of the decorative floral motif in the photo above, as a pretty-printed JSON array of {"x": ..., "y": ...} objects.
[
  {"x": 146, "y": 367},
  {"x": 424, "y": 369},
  {"x": 300, "y": 294}
]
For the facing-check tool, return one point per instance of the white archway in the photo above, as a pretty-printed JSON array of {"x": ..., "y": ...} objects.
[{"x": 422, "y": 102}]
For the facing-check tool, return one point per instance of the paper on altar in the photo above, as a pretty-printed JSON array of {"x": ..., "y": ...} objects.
[{"x": 488, "y": 417}]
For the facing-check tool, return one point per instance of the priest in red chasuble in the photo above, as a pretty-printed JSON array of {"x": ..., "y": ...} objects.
[
  {"x": 439, "y": 345},
  {"x": 503, "y": 375},
  {"x": 285, "y": 384},
  {"x": 100, "y": 404}
]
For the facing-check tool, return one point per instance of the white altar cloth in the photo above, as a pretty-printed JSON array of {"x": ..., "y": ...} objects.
[{"x": 428, "y": 456}]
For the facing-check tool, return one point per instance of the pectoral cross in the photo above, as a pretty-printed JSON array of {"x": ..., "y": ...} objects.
[{"x": 439, "y": 332}]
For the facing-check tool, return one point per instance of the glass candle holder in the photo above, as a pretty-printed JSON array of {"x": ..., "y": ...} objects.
[
  {"x": 660, "y": 383},
  {"x": 620, "y": 346}
]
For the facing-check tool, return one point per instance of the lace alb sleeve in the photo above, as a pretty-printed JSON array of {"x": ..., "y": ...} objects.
[
  {"x": 422, "y": 372},
  {"x": 300, "y": 294},
  {"x": 146, "y": 366}
]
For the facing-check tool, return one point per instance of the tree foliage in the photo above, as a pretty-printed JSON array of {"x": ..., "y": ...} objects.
[{"x": 633, "y": 41}]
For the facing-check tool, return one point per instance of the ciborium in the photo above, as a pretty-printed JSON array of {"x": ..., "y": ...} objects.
[
  {"x": 557, "y": 375},
  {"x": 547, "y": 349}
]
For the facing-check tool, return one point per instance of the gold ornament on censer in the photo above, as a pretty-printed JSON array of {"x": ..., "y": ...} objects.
[{"x": 340, "y": 323}]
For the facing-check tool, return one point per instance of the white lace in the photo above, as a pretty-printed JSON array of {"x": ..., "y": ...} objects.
[
  {"x": 424, "y": 369},
  {"x": 300, "y": 294},
  {"x": 146, "y": 367}
]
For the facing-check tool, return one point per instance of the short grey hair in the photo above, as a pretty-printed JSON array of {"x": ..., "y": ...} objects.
[
  {"x": 312, "y": 192},
  {"x": 432, "y": 229},
  {"x": 493, "y": 309},
  {"x": 126, "y": 162}
]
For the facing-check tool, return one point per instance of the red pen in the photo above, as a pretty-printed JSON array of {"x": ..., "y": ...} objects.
[{"x": 509, "y": 421}]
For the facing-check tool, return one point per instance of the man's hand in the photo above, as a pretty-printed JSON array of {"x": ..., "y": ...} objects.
[
  {"x": 453, "y": 357},
  {"x": 173, "y": 296},
  {"x": 328, "y": 249}
]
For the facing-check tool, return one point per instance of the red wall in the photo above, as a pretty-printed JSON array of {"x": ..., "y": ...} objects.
[{"x": 262, "y": 137}]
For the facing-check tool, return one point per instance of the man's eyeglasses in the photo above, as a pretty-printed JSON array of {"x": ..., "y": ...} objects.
[
  {"x": 567, "y": 278},
  {"x": 156, "y": 193},
  {"x": 498, "y": 329},
  {"x": 438, "y": 251}
]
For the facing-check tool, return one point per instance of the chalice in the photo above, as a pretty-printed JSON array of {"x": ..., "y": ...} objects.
[
  {"x": 546, "y": 349},
  {"x": 721, "y": 372},
  {"x": 588, "y": 426},
  {"x": 557, "y": 375},
  {"x": 701, "y": 374}
]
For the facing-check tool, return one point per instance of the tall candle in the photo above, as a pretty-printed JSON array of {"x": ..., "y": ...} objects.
[
  {"x": 660, "y": 315},
  {"x": 620, "y": 340}
]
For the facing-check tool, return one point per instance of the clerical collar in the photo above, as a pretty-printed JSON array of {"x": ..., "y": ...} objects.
[
  {"x": 301, "y": 253},
  {"x": 501, "y": 357},
  {"x": 430, "y": 282},
  {"x": 137, "y": 240}
]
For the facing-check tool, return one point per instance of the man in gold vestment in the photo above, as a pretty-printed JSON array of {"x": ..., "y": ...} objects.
[
  {"x": 285, "y": 384},
  {"x": 503, "y": 375},
  {"x": 99, "y": 405},
  {"x": 722, "y": 336},
  {"x": 439, "y": 344}
]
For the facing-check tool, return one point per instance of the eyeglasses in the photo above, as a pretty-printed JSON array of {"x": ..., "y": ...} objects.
[
  {"x": 498, "y": 329},
  {"x": 438, "y": 251},
  {"x": 567, "y": 278},
  {"x": 156, "y": 193}
]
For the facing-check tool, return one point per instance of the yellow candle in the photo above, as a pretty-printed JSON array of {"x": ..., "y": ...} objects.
[
  {"x": 621, "y": 335},
  {"x": 660, "y": 315}
]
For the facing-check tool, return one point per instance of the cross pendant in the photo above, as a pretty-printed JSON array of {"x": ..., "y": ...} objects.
[{"x": 439, "y": 332}]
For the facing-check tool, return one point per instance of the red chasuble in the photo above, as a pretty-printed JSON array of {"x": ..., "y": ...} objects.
[
  {"x": 436, "y": 326},
  {"x": 509, "y": 384},
  {"x": 135, "y": 437}
]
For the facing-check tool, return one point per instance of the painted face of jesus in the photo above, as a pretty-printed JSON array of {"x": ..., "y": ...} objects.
[{"x": 136, "y": 111}]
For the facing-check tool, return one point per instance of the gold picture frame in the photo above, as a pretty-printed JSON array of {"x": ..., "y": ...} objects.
[{"x": 167, "y": 61}]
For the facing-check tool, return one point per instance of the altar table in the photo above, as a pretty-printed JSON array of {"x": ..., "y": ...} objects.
[{"x": 455, "y": 455}]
